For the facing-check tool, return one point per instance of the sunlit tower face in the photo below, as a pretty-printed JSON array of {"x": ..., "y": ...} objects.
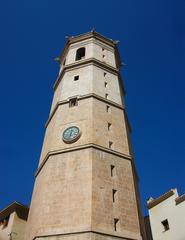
[{"x": 86, "y": 184}]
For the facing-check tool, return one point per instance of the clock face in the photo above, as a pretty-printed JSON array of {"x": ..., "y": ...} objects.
[{"x": 71, "y": 134}]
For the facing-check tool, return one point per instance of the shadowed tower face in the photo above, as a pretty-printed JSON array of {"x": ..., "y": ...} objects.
[{"x": 85, "y": 186}]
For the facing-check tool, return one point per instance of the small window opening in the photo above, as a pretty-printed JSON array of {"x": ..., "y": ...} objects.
[
  {"x": 73, "y": 102},
  {"x": 110, "y": 144},
  {"x": 80, "y": 54},
  {"x": 104, "y": 74},
  {"x": 113, "y": 194},
  {"x": 106, "y": 95},
  {"x": 76, "y": 78},
  {"x": 105, "y": 84},
  {"x": 116, "y": 221},
  {"x": 103, "y": 49},
  {"x": 108, "y": 108},
  {"x": 103, "y": 56},
  {"x": 112, "y": 170},
  {"x": 109, "y": 126},
  {"x": 165, "y": 225},
  {"x": 64, "y": 62}
]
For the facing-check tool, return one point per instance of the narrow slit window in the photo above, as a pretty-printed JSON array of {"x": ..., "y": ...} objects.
[
  {"x": 103, "y": 56},
  {"x": 105, "y": 84},
  {"x": 165, "y": 225},
  {"x": 104, "y": 74},
  {"x": 114, "y": 194},
  {"x": 116, "y": 221},
  {"x": 106, "y": 95},
  {"x": 112, "y": 170},
  {"x": 73, "y": 102},
  {"x": 109, "y": 126},
  {"x": 110, "y": 144},
  {"x": 76, "y": 78},
  {"x": 108, "y": 108}
]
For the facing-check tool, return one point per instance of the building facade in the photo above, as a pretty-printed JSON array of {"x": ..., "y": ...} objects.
[
  {"x": 86, "y": 186},
  {"x": 13, "y": 221},
  {"x": 167, "y": 216}
]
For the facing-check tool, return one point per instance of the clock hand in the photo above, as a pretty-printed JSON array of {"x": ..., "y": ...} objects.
[{"x": 70, "y": 133}]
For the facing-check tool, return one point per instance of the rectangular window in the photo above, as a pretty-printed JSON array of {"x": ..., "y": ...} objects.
[
  {"x": 105, "y": 84},
  {"x": 73, "y": 102},
  {"x": 165, "y": 225},
  {"x": 104, "y": 74},
  {"x": 106, "y": 95},
  {"x": 76, "y": 78},
  {"x": 108, "y": 108},
  {"x": 103, "y": 56},
  {"x": 112, "y": 170},
  {"x": 114, "y": 194},
  {"x": 116, "y": 221},
  {"x": 109, "y": 126},
  {"x": 110, "y": 144}
]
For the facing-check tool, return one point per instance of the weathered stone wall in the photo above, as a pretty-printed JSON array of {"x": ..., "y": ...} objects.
[
  {"x": 61, "y": 200},
  {"x": 124, "y": 207}
]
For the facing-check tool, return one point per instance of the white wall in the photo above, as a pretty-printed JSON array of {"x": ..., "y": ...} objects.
[{"x": 175, "y": 214}]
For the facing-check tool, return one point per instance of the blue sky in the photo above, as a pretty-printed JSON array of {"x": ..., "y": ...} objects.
[{"x": 152, "y": 45}]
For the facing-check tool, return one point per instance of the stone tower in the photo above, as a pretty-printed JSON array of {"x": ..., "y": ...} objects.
[{"x": 86, "y": 184}]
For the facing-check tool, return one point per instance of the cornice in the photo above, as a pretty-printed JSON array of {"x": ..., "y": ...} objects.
[
  {"x": 81, "y": 147},
  {"x": 85, "y": 62},
  {"x": 92, "y": 34},
  {"x": 123, "y": 236},
  {"x": 81, "y": 98},
  {"x": 93, "y": 40}
]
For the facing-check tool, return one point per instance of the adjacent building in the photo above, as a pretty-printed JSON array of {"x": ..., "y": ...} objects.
[
  {"x": 167, "y": 216},
  {"x": 13, "y": 221}
]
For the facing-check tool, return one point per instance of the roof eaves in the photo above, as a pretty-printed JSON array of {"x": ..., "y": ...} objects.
[{"x": 154, "y": 202}]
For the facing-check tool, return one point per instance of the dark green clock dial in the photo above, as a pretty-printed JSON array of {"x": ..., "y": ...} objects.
[{"x": 71, "y": 134}]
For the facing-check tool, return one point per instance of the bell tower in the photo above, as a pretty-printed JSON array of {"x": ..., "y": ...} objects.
[{"x": 86, "y": 183}]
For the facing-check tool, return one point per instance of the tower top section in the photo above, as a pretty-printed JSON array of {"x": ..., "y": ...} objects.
[{"x": 91, "y": 35}]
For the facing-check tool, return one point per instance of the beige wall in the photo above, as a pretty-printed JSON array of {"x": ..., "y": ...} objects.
[
  {"x": 93, "y": 50},
  {"x": 112, "y": 88},
  {"x": 104, "y": 210},
  {"x": 176, "y": 218},
  {"x": 91, "y": 117},
  {"x": 8, "y": 229},
  {"x": 19, "y": 227},
  {"x": 73, "y": 193},
  {"x": 91, "y": 80},
  {"x": 16, "y": 226},
  {"x": 61, "y": 200},
  {"x": 68, "y": 87}
]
